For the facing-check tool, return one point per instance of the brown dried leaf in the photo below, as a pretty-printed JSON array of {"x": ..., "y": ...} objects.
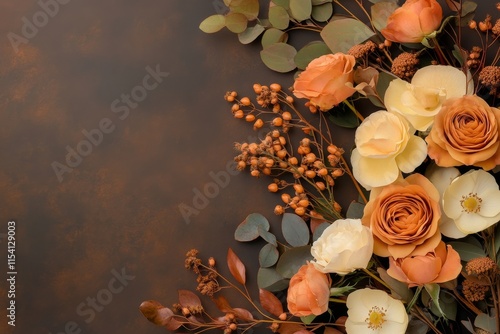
[
  {"x": 243, "y": 314},
  {"x": 165, "y": 318},
  {"x": 270, "y": 302},
  {"x": 236, "y": 267},
  {"x": 288, "y": 328},
  {"x": 222, "y": 304},
  {"x": 188, "y": 299},
  {"x": 150, "y": 308}
]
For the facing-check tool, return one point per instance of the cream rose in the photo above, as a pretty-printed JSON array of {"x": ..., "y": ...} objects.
[
  {"x": 421, "y": 100},
  {"x": 385, "y": 145},
  {"x": 308, "y": 292},
  {"x": 344, "y": 246},
  {"x": 413, "y": 21},
  {"x": 404, "y": 217},
  {"x": 465, "y": 132},
  {"x": 326, "y": 81},
  {"x": 439, "y": 266}
]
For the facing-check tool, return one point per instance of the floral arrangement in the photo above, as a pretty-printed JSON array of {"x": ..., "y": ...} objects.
[{"x": 417, "y": 249}]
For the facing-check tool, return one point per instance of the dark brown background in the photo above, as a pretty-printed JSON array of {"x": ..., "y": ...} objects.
[{"x": 119, "y": 207}]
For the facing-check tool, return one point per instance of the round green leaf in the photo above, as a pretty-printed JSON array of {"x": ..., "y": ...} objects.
[
  {"x": 295, "y": 230},
  {"x": 279, "y": 57},
  {"x": 249, "y": 8},
  {"x": 467, "y": 251},
  {"x": 236, "y": 22},
  {"x": 273, "y": 35},
  {"x": 355, "y": 210},
  {"x": 323, "y": 12},
  {"x": 301, "y": 9},
  {"x": 213, "y": 23},
  {"x": 319, "y": 230},
  {"x": 291, "y": 260},
  {"x": 342, "y": 34},
  {"x": 278, "y": 17},
  {"x": 381, "y": 12},
  {"x": 282, "y": 3},
  {"x": 248, "y": 230},
  {"x": 268, "y": 256},
  {"x": 250, "y": 34},
  {"x": 269, "y": 279},
  {"x": 309, "y": 52}
]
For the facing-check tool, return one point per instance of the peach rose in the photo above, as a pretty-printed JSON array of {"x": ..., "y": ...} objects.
[
  {"x": 308, "y": 292},
  {"x": 327, "y": 80},
  {"x": 465, "y": 132},
  {"x": 413, "y": 21},
  {"x": 439, "y": 266},
  {"x": 404, "y": 217}
]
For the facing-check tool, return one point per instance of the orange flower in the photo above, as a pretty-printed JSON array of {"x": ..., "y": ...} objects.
[
  {"x": 404, "y": 217},
  {"x": 465, "y": 132},
  {"x": 439, "y": 266},
  {"x": 413, "y": 21},
  {"x": 327, "y": 80},
  {"x": 308, "y": 292}
]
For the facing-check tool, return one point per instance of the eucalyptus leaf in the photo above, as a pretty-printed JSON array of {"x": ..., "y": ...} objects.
[
  {"x": 300, "y": 9},
  {"x": 344, "y": 118},
  {"x": 213, "y": 23},
  {"x": 278, "y": 17},
  {"x": 467, "y": 251},
  {"x": 248, "y": 230},
  {"x": 279, "y": 57},
  {"x": 433, "y": 291},
  {"x": 310, "y": 52},
  {"x": 268, "y": 256},
  {"x": 251, "y": 34},
  {"x": 269, "y": 279},
  {"x": 398, "y": 288},
  {"x": 236, "y": 22},
  {"x": 342, "y": 34},
  {"x": 267, "y": 236},
  {"x": 249, "y": 8},
  {"x": 272, "y": 36},
  {"x": 282, "y": 3},
  {"x": 381, "y": 12},
  {"x": 322, "y": 12},
  {"x": 291, "y": 260},
  {"x": 319, "y": 230},
  {"x": 384, "y": 79},
  {"x": 355, "y": 210},
  {"x": 468, "y": 7},
  {"x": 320, "y": 2},
  {"x": 486, "y": 322},
  {"x": 295, "y": 230}
]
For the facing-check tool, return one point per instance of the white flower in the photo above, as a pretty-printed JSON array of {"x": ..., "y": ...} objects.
[
  {"x": 374, "y": 311},
  {"x": 441, "y": 178},
  {"x": 420, "y": 100},
  {"x": 473, "y": 201},
  {"x": 385, "y": 145},
  {"x": 344, "y": 246}
]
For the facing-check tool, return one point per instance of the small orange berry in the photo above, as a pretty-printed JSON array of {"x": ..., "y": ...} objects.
[
  {"x": 275, "y": 87},
  {"x": 310, "y": 174},
  {"x": 304, "y": 203},
  {"x": 279, "y": 210},
  {"x": 278, "y": 121},
  {"x": 300, "y": 211},
  {"x": 286, "y": 116},
  {"x": 255, "y": 173},
  {"x": 289, "y": 99},
  {"x": 257, "y": 88},
  {"x": 250, "y": 118},
  {"x": 258, "y": 124},
  {"x": 320, "y": 185},
  {"x": 293, "y": 161},
  {"x": 234, "y": 94},
  {"x": 282, "y": 316},
  {"x": 230, "y": 98},
  {"x": 472, "y": 24},
  {"x": 273, "y": 187},
  {"x": 286, "y": 198},
  {"x": 239, "y": 114},
  {"x": 299, "y": 189},
  {"x": 245, "y": 101}
]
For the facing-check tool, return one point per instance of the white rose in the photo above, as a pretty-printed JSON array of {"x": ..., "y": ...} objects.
[
  {"x": 344, "y": 246},
  {"x": 385, "y": 145},
  {"x": 420, "y": 100}
]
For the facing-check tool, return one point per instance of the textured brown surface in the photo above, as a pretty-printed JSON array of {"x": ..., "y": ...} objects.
[{"x": 119, "y": 207}]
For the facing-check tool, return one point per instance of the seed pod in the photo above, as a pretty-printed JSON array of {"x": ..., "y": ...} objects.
[
  {"x": 286, "y": 198},
  {"x": 299, "y": 189},
  {"x": 310, "y": 174},
  {"x": 275, "y": 87},
  {"x": 239, "y": 114},
  {"x": 293, "y": 161},
  {"x": 250, "y": 118},
  {"x": 257, "y": 88},
  {"x": 320, "y": 185},
  {"x": 304, "y": 203},
  {"x": 258, "y": 124},
  {"x": 286, "y": 116},
  {"x": 300, "y": 211},
  {"x": 245, "y": 101},
  {"x": 278, "y": 121},
  {"x": 289, "y": 99},
  {"x": 273, "y": 187}
]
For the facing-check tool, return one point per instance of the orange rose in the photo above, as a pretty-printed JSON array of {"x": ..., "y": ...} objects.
[
  {"x": 439, "y": 266},
  {"x": 413, "y": 21},
  {"x": 308, "y": 292},
  {"x": 404, "y": 217},
  {"x": 465, "y": 132},
  {"x": 327, "y": 80}
]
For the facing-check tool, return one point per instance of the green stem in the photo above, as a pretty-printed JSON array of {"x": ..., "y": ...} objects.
[
  {"x": 353, "y": 109},
  {"x": 375, "y": 277}
]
